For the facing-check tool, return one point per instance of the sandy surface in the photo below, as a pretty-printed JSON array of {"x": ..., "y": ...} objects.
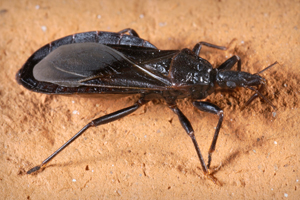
[{"x": 147, "y": 155}]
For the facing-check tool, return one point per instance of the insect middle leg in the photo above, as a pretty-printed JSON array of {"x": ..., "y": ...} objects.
[
  {"x": 96, "y": 122},
  {"x": 211, "y": 108},
  {"x": 189, "y": 130}
]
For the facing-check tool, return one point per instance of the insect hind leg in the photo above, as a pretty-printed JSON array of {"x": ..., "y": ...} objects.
[
  {"x": 96, "y": 122},
  {"x": 130, "y": 31}
]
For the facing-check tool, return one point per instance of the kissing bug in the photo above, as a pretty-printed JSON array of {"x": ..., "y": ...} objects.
[{"x": 120, "y": 63}]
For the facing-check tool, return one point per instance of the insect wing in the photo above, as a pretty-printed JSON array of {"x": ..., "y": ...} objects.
[{"x": 97, "y": 65}]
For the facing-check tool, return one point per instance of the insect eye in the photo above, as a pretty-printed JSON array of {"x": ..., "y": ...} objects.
[{"x": 230, "y": 84}]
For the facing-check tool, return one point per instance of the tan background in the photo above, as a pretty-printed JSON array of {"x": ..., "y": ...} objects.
[{"x": 147, "y": 155}]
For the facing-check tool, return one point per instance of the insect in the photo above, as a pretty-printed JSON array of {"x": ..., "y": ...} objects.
[{"x": 123, "y": 63}]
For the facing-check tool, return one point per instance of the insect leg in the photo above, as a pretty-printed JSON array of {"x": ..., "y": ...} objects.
[
  {"x": 211, "y": 108},
  {"x": 198, "y": 47},
  {"x": 96, "y": 122},
  {"x": 129, "y": 31},
  {"x": 230, "y": 62},
  {"x": 189, "y": 130},
  {"x": 255, "y": 95}
]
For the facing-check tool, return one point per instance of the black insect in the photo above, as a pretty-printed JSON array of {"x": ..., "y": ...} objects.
[{"x": 120, "y": 63}]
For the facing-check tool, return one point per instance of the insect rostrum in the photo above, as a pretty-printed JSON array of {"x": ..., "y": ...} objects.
[{"x": 120, "y": 63}]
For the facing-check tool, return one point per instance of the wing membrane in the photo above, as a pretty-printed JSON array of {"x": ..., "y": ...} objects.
[{"x": 98, "y": 65}]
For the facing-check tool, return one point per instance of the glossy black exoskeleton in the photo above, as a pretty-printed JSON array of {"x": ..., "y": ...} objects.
[{"x": 120, "y": 63}]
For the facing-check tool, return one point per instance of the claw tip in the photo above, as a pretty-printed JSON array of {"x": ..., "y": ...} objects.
[{"x": 33, "y": 169}]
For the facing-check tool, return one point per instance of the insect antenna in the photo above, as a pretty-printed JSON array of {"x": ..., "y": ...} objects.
[{"x": 267, "y": 68}]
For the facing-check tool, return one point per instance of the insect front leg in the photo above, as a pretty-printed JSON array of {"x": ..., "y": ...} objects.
[
  {"x": 211, "y": 108},
  {"x": 96, "y": 122},
  {"x": 198, "y": 47},
  {"x": 230, "y": 62}
]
